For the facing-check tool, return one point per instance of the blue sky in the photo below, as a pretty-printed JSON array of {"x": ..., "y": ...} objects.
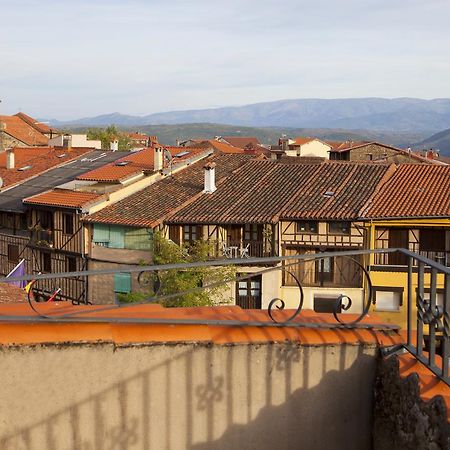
[{"x": 67, "y": 59}]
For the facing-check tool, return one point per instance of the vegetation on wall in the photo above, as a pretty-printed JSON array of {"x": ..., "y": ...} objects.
[
  {"x": 177, "y": 281},
  {"x": 109, "y": 134}
]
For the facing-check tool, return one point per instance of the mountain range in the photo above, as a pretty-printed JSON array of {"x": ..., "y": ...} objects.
[{"x": 378, "y": 114}]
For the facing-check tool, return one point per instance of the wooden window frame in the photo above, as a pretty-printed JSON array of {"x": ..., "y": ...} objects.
[
  {"x": 10, "y": 251},
  {"x": 68, "y": 229},
  {"x": 308, "y": 228},
  {"x": 339, "y": 232}
]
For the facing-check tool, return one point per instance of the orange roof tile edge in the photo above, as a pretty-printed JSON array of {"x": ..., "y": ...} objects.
[
  {"x": 107, "y": 328},
  {"x": 430, "y": 385}
]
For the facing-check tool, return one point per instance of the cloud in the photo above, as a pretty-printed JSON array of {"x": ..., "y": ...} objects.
[{"x": 77, "y": 58}]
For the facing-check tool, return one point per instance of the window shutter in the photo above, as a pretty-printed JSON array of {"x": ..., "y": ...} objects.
[
  {"x": 116, "y": 237},
  {"x": 122, "y": 283},
  {"x": 101, "y": 232}
]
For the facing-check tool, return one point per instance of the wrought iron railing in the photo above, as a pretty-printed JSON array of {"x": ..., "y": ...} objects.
[{"x": 427, "y": 298}]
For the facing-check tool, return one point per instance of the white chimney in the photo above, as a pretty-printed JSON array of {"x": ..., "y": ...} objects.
[
  {"x": 9, "y": 158},
  {"x": 114, "y": 145},
  {"x": 158, "y": 159},
  {"x": 210, "y": 178}
]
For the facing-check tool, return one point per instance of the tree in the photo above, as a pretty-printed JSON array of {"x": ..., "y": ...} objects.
[
  {"x": 109, "y": 134},
  {"x": 177, "y": 281}
]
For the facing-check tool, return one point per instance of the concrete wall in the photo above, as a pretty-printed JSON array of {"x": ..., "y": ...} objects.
[{"x": 187, "y": 396}]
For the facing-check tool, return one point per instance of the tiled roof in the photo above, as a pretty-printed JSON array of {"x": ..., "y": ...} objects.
[
  {"x": 135, "y": 163},
  {"x": 39, "y": 126},
  {"x": 40, "y": 159},
  {"x": 265, "y": 191},
  {"x": 20, "y": 130},
  {"x": 12, "y": 294},
  {"x": 414, "y": 190},
  {"x": 137, "y": 136},
  {"x": 337, "y": 146},
  {"x": 63, "y": 197},
  {"x": 219, "y": 146},
  {"x": 241, "y": 141},
  {"x": 153, "y": 204},
  {"x": 23, "y": 332}
]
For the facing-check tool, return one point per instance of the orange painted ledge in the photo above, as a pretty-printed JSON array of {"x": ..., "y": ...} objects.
[
  {"x": 21, "y": 332},
  {"x": 429, "y": 384}
]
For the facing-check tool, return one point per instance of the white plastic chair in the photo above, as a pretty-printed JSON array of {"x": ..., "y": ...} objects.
[
  {"x": 226, "y": 251},
  {"x": 244, "y": 251}
]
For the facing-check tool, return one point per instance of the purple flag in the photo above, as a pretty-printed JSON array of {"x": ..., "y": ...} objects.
[{"x": 18, "y": 271}]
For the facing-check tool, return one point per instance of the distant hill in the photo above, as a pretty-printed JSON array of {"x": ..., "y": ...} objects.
[
  {"x": 439, "y": 141},
  {"x": 168, "y": 134},
  {"x": 377, "y": 114}
]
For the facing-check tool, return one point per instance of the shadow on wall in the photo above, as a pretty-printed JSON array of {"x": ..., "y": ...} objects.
[{"x": 197, "y": 397}]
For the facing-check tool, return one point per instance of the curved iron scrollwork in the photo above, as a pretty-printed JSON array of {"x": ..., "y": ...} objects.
[
  {"x": 280, "y": 304},
  {"x": 150, "y": 280},
  {"x": 429, "y": 315},
  {"x": 342, "y": 303}
]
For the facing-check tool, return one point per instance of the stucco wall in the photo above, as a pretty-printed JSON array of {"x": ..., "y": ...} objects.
[{"x": 186, "y": 396}]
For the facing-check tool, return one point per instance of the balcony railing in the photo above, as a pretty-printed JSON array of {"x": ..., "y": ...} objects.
[
  {"x": 399, "y": 259},
  {"x": 241, "y": 249},
  {"x": 427, "y": 310}
]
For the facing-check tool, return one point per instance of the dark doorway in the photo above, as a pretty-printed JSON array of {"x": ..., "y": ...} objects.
[
  {"x": 248, "y": 292},
  {"x": 398, "y": 238}
]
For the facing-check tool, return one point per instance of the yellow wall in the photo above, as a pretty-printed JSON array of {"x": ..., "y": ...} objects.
[{"x": 400, "y": 279}]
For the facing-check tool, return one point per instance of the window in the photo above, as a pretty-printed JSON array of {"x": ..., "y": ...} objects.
[
  {"x": 324, "y": 270},
  {"x": 174, "y": 233},
  {"x": 71, "y": 264},
  {"x": 13, "y": 253},
  {"x": 306, "y": 226},
  {"x": 46, "y": 262},
  {"x": 46, "y": 220},
  {"x": 326, "y": 304},
  {"x": 67, "y": 223},
  {"x": 388, "y": 298},
  {"x": 191, "y": 233},
  {"x": 339, "y": 227},
  {"x": 252, "y": 232},
  {"x": 122, "y": 283}
]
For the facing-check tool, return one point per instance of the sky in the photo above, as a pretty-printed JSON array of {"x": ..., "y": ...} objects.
[{"x": 66, "y": 59}]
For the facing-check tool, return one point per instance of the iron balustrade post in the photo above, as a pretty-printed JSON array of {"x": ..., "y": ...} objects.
[
  {"x": 431, "y": 319},
  {"x": 419, "y": 302},
  {"x": 446, "y": 325},
  {"x": 409, "y": 301}
]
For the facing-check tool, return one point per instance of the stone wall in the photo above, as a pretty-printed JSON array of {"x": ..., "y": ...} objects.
[
  {"x": 378, "y": 152},
  {"x": 402, "y": 420}
]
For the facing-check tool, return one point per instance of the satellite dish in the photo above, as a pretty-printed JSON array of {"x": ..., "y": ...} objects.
[{"x": 1, "y": 182}]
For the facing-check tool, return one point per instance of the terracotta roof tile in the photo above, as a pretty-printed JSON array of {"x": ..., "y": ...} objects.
[
  {"x": 153, "y": 204},
  {"x": 39, "y": 126},
  {"x": 12, "y": 294},
  {"x": 22, "y": 131},
  {"x": 219, "y": 146},
  {"x": 64, "y": 198},
  {"x": 241, "y": 141},
  {"x": 265, "y": 191},
  {"x": 40, "y": 159},
  {"x": 135, "y": 163},
  {"x": 415, "y": 190}
]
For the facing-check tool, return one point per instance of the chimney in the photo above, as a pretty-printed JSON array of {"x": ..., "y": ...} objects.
[
  {"x": 430, "y": 154},
  {"x": 114, "y": 145},
  {"x": 178, "y": 142},
  {"x": 210, "y": 177},
  {"x": 2, "y": 129},
  {"x": 10, "y": 158},
  {"x": 157, "y": 158}
]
